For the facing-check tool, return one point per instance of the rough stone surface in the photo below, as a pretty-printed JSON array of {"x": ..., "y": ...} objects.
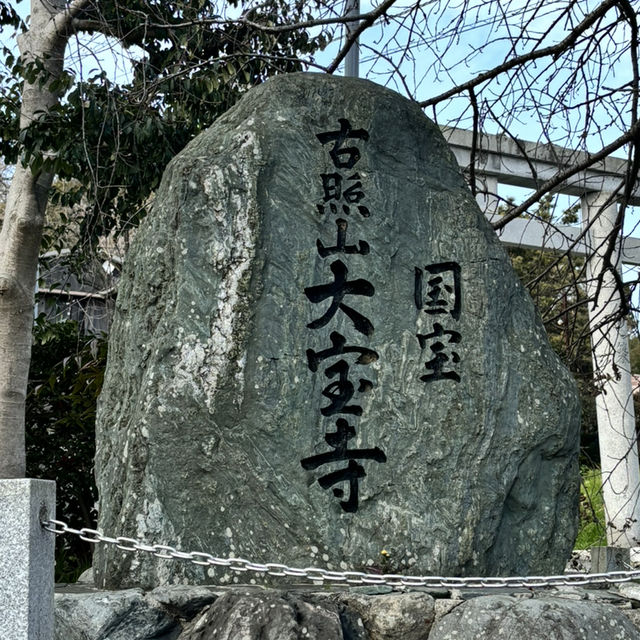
[
  {"x": 209, "y": 403},
  {"x": 539, "y": 618},
  {"x": 271, "y": 616},
  {"x": 443, "y": 606},
  {"x": 26, "y": 559},
  {"x": 633, "y": 615},
  {"x": 399, "y": 616},
  {"x": 129, "y": 614},
  {"x": 182, "y": 601},
  {"x": 390, "y": 616},
  {"x": 249, "y": 612},
  {"x": 631, "y": 591},
  {"x": 86, "y": 577}
]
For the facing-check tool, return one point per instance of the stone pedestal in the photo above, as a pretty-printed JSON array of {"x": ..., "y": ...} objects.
[{"x": 26, "y": 559}]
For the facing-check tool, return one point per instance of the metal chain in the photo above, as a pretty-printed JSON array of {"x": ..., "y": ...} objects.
[{"x": 317, "y": 574}]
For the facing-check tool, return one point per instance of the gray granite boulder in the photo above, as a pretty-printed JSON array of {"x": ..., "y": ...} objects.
[
  {"x": 396, "y": 616},
  {"x": 85, "y": 613},
  {"x": 122, "y": 615},
  {"x": 269, "y": 615},
  {"x": 321, "y": 352},
  {"x": 538, "y": 618},
  {"x": 249, "y": 612}
]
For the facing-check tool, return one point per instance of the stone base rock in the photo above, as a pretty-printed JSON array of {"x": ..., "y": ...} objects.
[
  {"x": 268, "y": 615},
  {"x": 255, "y": 613},
  {"x": 539, "y": 618},
  {"x": 112, "y": 615}
]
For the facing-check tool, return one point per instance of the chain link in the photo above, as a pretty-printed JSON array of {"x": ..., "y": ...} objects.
[{"x": 317, "y": 574}]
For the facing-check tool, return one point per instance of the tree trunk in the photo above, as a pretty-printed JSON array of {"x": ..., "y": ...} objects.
[{"x": 20, "y": 240}]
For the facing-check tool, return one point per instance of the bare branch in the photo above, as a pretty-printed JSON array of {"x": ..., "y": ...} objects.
[
  {"x": 366, "y": 21},
  {"x": 62, "y": 23},
  {"x": 369, "y": 17},
  {"x": 518, "y": 61},
  {"x": 565, "y": 174}
]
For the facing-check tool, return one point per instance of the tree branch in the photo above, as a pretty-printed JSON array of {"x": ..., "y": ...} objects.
[
  {"x": 553, "y": 50},
  {"x": 565, "y": 174},
  {"x": 62, "y": 24},
  {"x": 366, "y": 21},
  {"x": 370, "y": 17}
]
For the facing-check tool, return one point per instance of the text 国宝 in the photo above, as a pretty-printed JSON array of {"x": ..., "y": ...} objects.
[{"x": 437, "y": 293}]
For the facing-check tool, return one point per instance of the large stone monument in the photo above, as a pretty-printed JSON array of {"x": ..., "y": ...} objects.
[{"x": 321, "y": 352}]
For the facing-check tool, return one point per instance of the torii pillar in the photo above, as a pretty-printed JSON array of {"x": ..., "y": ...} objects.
[{"x": 612, "y": 373}]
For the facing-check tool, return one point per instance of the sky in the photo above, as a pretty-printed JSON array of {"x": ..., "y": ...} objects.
[{"x": 437, "y": 59}]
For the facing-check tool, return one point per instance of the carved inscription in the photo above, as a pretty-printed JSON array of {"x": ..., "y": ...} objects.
[
  {"x": 437, "y": 292},
  {"x": 343, "y": 194}
]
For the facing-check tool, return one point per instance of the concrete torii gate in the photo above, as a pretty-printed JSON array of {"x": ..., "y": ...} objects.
[{"x": 501, "y": 159}]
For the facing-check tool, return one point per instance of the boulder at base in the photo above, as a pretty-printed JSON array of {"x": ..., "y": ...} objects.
[
  {"x": 321, "y": 352},
  {"x": 539, "y": 618}
]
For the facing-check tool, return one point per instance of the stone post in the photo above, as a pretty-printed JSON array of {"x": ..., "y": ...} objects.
[
  {"x": 26, "y": 559},
  {"x": 614, "y": 403}
]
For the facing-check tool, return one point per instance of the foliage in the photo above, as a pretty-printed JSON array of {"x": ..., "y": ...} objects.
[
  {"x": 566, "y": 73},
  {"x": 592, "y": 531},
  {"x": 63, "y": 222},
  {"x": 65, "y": 379},
  {"x": 555, "y": 285},
  {"x": 113, "y": 138},
  {"x": 8, "y": 15}
]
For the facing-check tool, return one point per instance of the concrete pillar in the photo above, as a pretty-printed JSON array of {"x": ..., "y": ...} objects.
[
  {"x": 488, "y": 199},
  {"x": 352, "y": 59},
  {"x": 26, "y": 559},
  {"x": 607, "y": 559},
  {"x": 614, "y": 403}
]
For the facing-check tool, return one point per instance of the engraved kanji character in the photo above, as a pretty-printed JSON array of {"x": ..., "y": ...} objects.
[
  {"x": 343, "y": 157},
  {"x": 341, "y": 391},
  {"x": 332, "y": 190},
  {"x": 338, "y": 342},
  {"x": 338, "y": 440},
  {"x": 341, "y": 246},
  {"x": 331, "y": 186},
  {"x": 443, "y": 289},
  {"x": 351, "y": 474},
  {"x": 440, "y": 358},
  {"x": 337, "y": 290},
  {"x": 354, "y": 193}
]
